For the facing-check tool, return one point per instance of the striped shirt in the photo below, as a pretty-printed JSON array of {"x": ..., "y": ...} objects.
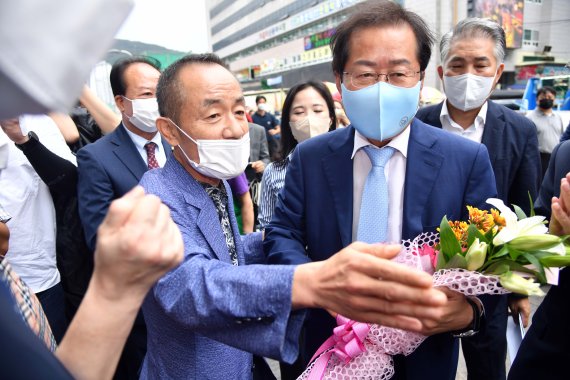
[{"x": 271, "y": 184}]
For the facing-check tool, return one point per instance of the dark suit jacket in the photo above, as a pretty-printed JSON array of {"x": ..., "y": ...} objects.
[
  {"x": 313, "y": 216},
  {"x": 258, "y": 144},
  {"x": 108, "y": 169},
  {"x": 545, "y": 350},
  {"x": 511, "y": 141},
  {"x": 558, "y": 166}
]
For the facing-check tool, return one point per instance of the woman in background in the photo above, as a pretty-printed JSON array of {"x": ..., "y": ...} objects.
[{"x": 308, "y": 111}]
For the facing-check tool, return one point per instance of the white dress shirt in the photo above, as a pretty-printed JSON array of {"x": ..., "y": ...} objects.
[
  {"x": 475, "y": 130},
  {"x": 140, "y": 142},
  {"x": 395, "y": 171},
  {"x": 28, "y": 200}
]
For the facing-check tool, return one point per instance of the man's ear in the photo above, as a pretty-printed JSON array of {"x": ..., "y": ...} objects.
[
  {"x": 120, "y": 103},
  {"x": 500, "y": 70},
  {"x": 167, "y": 130},
  {"x": 440, "y": 72},
  {"x": 338, "y": 81}
]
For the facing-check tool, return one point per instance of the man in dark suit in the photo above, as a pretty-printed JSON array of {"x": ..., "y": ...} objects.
[
  {"x": 259, "y": 152},
  {"x": 113, "y": 165},
  {"x": 258, "y": 159},
  {"x": 324, "y": 204},
  {"x": 544, "y": 351},
  {"x": 472, "y": 55}
]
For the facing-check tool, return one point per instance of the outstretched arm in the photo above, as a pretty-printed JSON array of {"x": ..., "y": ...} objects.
[{"x": 138, "y": 243}]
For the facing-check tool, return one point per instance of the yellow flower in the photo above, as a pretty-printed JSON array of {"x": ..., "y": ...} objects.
[
  {"x": 481, "y": 219},
  {"x": 460, "y": 230},
  {"x": 500, "y": 222}
]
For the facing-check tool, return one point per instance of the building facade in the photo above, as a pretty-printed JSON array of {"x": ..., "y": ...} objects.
[{"x": 272, "y": 44}]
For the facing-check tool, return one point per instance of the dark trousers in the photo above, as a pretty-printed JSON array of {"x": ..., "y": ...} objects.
[
  {"x": 486, "y": 352},
  {"x": 545, "y": 350},
  {"x": 53, "y": 303},
  {"x": 133, "y": 353}
]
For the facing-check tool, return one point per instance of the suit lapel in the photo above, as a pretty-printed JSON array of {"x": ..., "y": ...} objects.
[
  {"x": 433, "y": 116},
  {"x": 338, "y": 169},
  {"x": 493, "y": 131},
  {"x": 422, "y": 166},
  {"x": 127, "y": 153},
  {"x": 207, "y": 221}
]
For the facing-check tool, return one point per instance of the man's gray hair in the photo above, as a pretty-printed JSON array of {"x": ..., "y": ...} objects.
[{"x": 475, "y": 27}]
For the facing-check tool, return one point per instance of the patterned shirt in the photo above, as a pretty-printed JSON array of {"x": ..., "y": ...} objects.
[
  {"x": 28, "y": 305},
  {"x": 219, "y": 196},
  {"x": 271, "y": 184}
]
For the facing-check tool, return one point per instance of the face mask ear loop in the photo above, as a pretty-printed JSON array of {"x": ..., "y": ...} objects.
[{"x": 184, "y": 133}]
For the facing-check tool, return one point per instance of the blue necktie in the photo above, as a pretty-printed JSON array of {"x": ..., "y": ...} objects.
[{"x": 373, "y": 222}]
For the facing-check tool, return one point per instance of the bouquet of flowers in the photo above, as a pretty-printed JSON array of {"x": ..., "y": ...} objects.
[{"x": 494, "y": 252}]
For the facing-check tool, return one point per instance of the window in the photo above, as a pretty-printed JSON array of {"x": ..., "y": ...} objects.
[{"x": 530, "y": 38}]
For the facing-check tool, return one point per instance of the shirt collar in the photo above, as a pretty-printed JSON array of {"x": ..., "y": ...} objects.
[
  {"x": 400, "y": 142},
  {"x": 479, "y": 119},
  {"x": 140, "y": 142}
]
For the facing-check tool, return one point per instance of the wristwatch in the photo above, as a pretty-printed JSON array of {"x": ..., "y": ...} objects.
[
  {"x": 32, "y": 141},
  {"x": 478, "y": 315}
]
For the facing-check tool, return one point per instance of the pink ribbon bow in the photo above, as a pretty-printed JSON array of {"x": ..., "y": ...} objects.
[{"x": 346, "y": 343}]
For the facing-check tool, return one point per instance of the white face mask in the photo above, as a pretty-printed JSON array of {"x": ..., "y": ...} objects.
[
  {"x": 145, "y": 113},
  {"x": 309, "y": 127},
  {"x": 221, "y": 159},
  {"x": 467, "y": 91},
  {"x": 262, "y": 107}
]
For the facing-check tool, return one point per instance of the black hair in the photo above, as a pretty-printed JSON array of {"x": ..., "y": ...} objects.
[
  {"x": 117, "y": 76},
  {"x": 260, "y": 97},
  {"x": 378, "y": 13},
  {"x": 288, "y": 142},
  {"x": 170, "y": 93},
  {"x": 544, "y": 90}
]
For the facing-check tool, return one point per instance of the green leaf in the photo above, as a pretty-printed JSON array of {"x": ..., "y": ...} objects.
[
  {"x": 555, "y": 261},
  {"x": 512, "y": 265},
  {"x": 520, "y": 213},
  {"x": 498, "y": 270},
  {"x": 513, "y": 252},
  {"x": 501, "y": 252},
  {"x": 541, "y": 276},
  {"x": 440, "y": 261},
  {"x": 489, "y": 235},
  {"x": 447, "y": 240},
  {"x": 457, "y": 261},
  {"x": 473, "y": 233},
  {"x": 531, "y": 204}
]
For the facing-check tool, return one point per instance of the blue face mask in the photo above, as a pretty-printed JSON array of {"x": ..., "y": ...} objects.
[{"x": 381, "y": 111}]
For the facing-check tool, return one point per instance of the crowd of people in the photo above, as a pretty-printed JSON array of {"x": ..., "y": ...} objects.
[{"x": 187, "y": 238}]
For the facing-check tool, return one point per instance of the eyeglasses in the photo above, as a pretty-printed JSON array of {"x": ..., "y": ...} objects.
[{"x": 401, "y": 78}]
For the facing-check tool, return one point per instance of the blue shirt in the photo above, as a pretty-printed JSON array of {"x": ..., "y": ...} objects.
[{"x": 267, "y": 121}]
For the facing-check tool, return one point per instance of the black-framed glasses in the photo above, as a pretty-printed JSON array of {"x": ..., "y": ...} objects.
[{"x": 399, "y": 78}]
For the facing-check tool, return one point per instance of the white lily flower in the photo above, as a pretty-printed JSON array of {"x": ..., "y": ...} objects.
[
  {"x": 514, "y": 227},
  {"x": 558, "y": 249}
]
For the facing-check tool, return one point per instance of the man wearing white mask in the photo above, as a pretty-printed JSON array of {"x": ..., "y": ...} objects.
[
  {"x": 113, "y": 165},
  {"x": 472, "y": 63},
  {"x": 207, "y": 316}
]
